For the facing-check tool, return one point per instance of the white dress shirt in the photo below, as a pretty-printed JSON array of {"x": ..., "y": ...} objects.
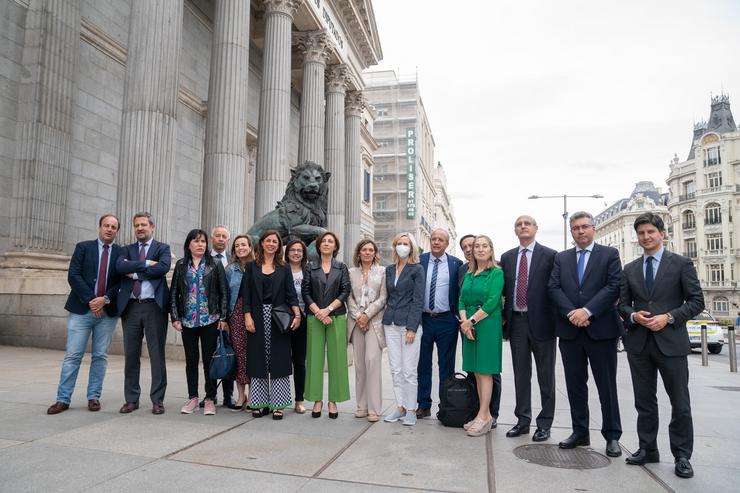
[
  {"x": 442, "y": 290},
  {"x": 530, "y": 250}
]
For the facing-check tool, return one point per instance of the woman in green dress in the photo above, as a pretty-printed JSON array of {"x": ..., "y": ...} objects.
[{"x": 480, "y": 316}]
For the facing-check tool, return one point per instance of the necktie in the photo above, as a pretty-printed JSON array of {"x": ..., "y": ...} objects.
[
  {"x": 581, "y": 265},
  {"x": 137, "y": 282},
  {"x": 102, "y": 271},
  {"x": 433, "y": 284},
  {"x": 649, "y": 276},
  {"x": 521, "y": 281}
]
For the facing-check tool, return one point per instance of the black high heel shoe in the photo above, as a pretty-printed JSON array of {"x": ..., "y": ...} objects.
[
  {"x": 335, "y": 414},
  {"x": 258, "y": 413},
  {"x": 317, "y": 414}
]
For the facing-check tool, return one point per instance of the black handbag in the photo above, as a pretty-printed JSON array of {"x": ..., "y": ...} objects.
[
  {"x": 458, "y": 401},
  {"x": 223, "y": 360},
  {"x": 282, "y": 316}
]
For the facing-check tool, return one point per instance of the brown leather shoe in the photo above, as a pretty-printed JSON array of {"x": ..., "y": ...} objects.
[
  {"x": 129, "y": 407},
  {"x": 57, "y": 408},
  {"x": 157, "y": 408},
  {"x": 423, "y": 413},
  {"x": 93, "y": 405}
]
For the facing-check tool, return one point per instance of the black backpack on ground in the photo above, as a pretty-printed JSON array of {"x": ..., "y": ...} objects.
[{"x": 458, "y": 401}]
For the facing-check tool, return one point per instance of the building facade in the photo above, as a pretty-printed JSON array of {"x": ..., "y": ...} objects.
[
  {"x": 406, "y": 180},
  {"x": 194, "y": 110},
  {"x": 615, "y": 225},
  {"x": 704, "y": 202}
]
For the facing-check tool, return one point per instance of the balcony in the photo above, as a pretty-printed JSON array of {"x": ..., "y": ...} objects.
[
  {"x": 718, "y": 284},
  {"x": 687, "y": 196},
  {"x": 690, "y": 254},
  {"x": 688, "y": 226},
  {"x": 712, "y": 220},
  {"x": 714, "y": 253}
]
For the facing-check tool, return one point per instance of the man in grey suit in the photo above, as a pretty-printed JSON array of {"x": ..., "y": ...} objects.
[
  {"x": 660, "y": 292},
  {"x": 529, "y": 326}
]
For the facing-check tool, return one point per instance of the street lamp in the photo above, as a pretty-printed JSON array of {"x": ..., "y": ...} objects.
[{"x": 565, "y": 209}]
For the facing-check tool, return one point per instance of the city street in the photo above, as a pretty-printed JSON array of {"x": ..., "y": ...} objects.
[{"x": 106, "y": 451}]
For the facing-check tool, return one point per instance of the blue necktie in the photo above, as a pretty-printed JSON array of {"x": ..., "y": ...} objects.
[
  {"x": 433, "y": 285},
  {"x": 649, "y": 276},
  {"x": 581, "y": 265}
]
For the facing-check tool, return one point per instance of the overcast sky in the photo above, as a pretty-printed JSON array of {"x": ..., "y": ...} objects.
[{"x": 550, "y": 97}]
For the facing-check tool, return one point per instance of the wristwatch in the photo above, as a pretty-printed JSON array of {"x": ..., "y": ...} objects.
[
  {"x": 473, "y": 321},
  {"x": 670, "y": 318},
  {"x": 107, "y": 300}
]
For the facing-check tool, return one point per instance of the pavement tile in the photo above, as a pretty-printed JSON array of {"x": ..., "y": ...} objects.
[
  {"x": 27, "y": 422},
  {"x": 9, "y": 443}
]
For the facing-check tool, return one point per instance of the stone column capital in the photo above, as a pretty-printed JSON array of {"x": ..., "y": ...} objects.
[
  {"x": 287, "y": 7},
  {"x": 337, "y": 78},
  {"x": 313, "y": 45},
  {"x": 354, "y": 103}
]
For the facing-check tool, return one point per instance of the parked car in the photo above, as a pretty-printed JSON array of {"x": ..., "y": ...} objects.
[{"x": 715, "y": 336}]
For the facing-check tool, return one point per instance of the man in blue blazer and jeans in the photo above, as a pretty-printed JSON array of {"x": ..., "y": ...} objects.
[
  {"x": 584, "y": 287},
  {"x": 438, "y": 319},
  {"x": 143, "y": 302},
  {"x": 92, "y": 313}
]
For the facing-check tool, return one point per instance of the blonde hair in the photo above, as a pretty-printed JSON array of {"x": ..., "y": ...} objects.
[
  {"x": 413, "y": 257},
  {"x": 491, "y": 262}
]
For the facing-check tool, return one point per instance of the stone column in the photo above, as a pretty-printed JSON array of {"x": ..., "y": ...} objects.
[
  {"x": 226, "y": 125},
  {"x": 336, "y": 85},
  {"x": 149, "y": 125},
  {"x": 314, "y": 47},
  {"x": 44, "y": 125},
  {"x": 355, "y": 102},
  {"x": 249, "y": 188},
  {"x": 272, "y": 172}
]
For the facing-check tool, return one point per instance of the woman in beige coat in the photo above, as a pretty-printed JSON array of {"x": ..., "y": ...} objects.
[{"x": 365, "y": 327}]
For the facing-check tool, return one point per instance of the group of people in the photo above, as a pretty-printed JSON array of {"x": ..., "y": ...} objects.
[{"x": 288, "y": 315}]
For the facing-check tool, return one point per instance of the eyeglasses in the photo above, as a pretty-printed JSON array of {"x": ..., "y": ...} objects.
[{"x": 582, "y": 227}]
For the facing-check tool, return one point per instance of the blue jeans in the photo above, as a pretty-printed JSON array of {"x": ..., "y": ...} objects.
[{"x": 79, "y": 330}]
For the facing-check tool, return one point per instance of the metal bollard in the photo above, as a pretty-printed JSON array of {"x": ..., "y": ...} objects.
[
  {"x": 704, "y": 353},
  {"x": 733, "y": 349}
]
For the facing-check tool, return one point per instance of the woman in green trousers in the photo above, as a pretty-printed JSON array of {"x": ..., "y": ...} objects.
[{"x": 325, "y": 288}]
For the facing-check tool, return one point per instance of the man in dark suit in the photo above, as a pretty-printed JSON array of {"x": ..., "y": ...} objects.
[
  {"x": 438, "y": 319},
  {"x": 529, "y": 326},
  {"x": 143, "y": 302},
  {"x": 660, "y": 292},
  {"x": 466, "y": 245},
  {"x": 92, "y": 313},
  {"x": 584, "y": 287}
]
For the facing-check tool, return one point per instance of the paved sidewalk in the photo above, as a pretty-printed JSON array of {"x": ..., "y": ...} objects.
[{"x": 106, "y": 451}]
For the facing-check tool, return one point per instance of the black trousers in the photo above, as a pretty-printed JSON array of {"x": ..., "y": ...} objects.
[
  {"x": 298, "y": 355},
  {"x": 141, "y": 320},
  {"x": 523, "y": 347},
  {"x": 577, "y": 355},
  {"x": 674, "y": 371},
  {"x": 207, "y": 335}
]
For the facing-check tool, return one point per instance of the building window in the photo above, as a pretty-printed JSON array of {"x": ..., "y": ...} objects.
[
  {"x": 689, "y": 220},
  {"x": 721, "y": 305},
  {"x": 689, "y": 248},
  {"x": 380, "y": 202},
  {"x": 688, "y": 190},
  {"x": 714, "y": 180},
  {"x": 712, "y": 214},
  {"x": 366, "y": 187},
  {"x": 711, "y": 156},
  {"x": 714, "y": 242},
  {"x": 716, "y": 273}
]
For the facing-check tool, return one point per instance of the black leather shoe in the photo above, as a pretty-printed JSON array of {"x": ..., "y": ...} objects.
[
  {"x": 517, "y": 430},
  {"x": 574, "y": 441},
  {"x": 642, "y": 457},
  {"x": 613, "y": 449},
  {"x": 683, "y": 468},
  {"x": 540, "y": 435},
  {"x": 422, "y": 413}
]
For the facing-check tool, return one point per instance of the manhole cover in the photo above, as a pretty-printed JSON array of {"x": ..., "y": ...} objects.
[
  {"x": 729, "y": 389},
  {"x": 553, "y": 456}
]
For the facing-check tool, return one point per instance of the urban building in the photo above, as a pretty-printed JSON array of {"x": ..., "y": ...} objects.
[
  {"x": 193, "y": 110},
  {"x": 615, "y": 225},
  {"x": 704, "y": 202},
  {"x": 409, "y": 187}
]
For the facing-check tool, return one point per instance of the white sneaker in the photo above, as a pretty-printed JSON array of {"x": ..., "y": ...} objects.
[
  {"x": 190, "y": 406},
  {"x": 394, "y": 416},
  {"x": 409, "y": 419}
]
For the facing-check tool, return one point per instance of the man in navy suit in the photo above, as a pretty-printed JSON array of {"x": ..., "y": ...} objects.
[
  {"x": 529, "y": 326},
  {"x": 143, "y": 302},
  {"x": 438, "y": 317},
  {"x": 92, "y": 313},
  {"x": 584, "y": 286}
]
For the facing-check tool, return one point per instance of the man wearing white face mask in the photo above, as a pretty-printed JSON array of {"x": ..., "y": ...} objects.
[{"x": 402, "y": 323}]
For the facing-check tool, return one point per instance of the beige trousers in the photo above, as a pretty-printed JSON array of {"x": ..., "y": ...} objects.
[{"x": 368, "y": 376}]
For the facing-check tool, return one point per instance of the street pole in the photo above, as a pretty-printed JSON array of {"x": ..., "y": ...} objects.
[{"x": 565, "y": 209}]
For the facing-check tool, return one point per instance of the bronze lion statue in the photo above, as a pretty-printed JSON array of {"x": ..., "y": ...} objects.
[{"x": 302, "y": 211}]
